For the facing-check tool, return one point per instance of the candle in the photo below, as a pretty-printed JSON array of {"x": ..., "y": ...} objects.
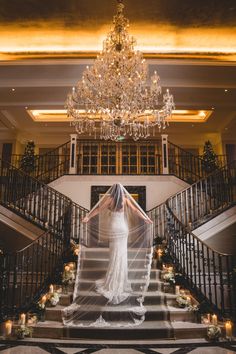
[
  {"x": 170, "y": 269},
  {"x": 209, "y": 318},
  {"x": 177, "y": 289},
  {"x": 51, "y": 289},
  {"x": 71, "y": 265},
  {"x": 159, "y": 254},
  {"x": 22, "y": 319},
  {"x": 228, "y": 329},
  {"x": 43, "y": 299},
  {"x": 8, "y": 328},
  {"x": 67, "y": 268},
  {"x": 214, "y": 320}
]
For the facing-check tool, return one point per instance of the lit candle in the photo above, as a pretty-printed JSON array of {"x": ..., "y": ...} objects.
[
  {"x": 170, "y": 269},
  {"x": 159, "y": 254},
  {"x": 22, "y": 319},
  {"x": 228, "y": 329},
  {"x": 51, "y": 289},
  {"x": 71, "y": 265},
  {"x": 177, "y": 289},
  {"x": 8, "y": 328},
  {"x": 214, "y": 320},
  {"x": 209, "y": 318},
  {"x": 189, "y": 299},
  {"x": 43, "y": 299},
  {"x": 67, "y": 268}
]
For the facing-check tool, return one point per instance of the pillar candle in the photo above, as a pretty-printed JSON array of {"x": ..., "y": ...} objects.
[
  {"x": 22, "y": 319},
  {"x": 228, "y": 330},
  {"x": 43, "y": 299},
  {"x": 8, "y": 328},
  {"x": 51, "y": 289},
  {"x": 67, "y": 268},
  {"x": 214, "y": 320},
  {"x": 177, "y": 289}
]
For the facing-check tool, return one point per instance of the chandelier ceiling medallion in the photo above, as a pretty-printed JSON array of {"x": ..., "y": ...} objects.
[{"x": 113, "y": 98}]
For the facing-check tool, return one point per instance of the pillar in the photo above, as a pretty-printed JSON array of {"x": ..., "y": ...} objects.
[
  {"x": 73, "y": 157},
  {"x": 165, "y": 160}
]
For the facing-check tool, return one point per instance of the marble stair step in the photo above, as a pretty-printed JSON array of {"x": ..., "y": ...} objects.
[
  {"x": 90, "y": 273},
  {"x": 122, "y": 313},
  {"x": 147, "y": 330},
  {"x": 103, "y": 253},
  {"x": 150, "y": 298},
  {"x": 103, "y": 263}
]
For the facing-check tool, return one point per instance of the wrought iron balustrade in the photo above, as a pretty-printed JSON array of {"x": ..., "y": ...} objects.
[
  {"x": 211, "y": 274},
  {"x": 205, "y": 198},
  {"x": 26, "y": 273}
]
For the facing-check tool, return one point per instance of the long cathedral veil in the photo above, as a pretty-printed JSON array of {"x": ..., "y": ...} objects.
[{"x": 113, "y": 265}]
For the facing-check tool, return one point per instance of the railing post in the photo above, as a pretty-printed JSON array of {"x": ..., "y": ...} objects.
[
  {"x": 73, "y": 159},
  {"x": 165, "y": 159}
]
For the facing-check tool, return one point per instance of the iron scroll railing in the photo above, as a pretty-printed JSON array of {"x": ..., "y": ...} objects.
[
  {"x": 209, "y": 272},
  {"x": 116, "y": 158},
  {"x": 24, "y": 274}
]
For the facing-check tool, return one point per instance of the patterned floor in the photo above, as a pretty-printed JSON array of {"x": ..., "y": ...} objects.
[{"x": 29, "y": 347}]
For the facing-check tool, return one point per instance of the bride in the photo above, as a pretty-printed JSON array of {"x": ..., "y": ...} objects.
[{"x": 116, "y": 226}]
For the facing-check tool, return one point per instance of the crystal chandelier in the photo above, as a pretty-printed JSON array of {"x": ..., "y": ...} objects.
[{"x": 113, "y": 99}]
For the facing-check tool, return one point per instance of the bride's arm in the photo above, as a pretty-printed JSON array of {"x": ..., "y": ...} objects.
[
  {"x": 137, "y": 211},
  {"x": 96, "y": 210}
]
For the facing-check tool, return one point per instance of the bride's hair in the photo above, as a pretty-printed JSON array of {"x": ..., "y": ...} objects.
[{"x": 117, "y": 196}]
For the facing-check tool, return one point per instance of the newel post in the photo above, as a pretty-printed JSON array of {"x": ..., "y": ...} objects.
[
  {"x": 73, "y": 159},
  {"x": 165, "y": 158}
]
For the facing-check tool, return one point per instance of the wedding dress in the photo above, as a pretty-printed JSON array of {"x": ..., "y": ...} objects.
[
  {"x": 115, "y": 286},
  {"x": 114, "y": 264}
]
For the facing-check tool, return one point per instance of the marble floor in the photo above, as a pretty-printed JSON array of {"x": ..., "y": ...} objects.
[{"x": 34, "y": 346}]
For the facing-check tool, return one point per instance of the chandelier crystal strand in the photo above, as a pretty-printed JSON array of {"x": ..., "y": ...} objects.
[{"x": 113, "y": 93}]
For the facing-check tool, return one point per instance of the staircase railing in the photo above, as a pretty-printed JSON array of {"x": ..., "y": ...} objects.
[
  {"x": 24, "y": 274},
  {"x": 185, "y": 165},
  {"x": 115, "y": 158},
  {"x": 49, "y": 166},
  {"x": 209, "y": 273},
  {"x": 206, "y": 198}
]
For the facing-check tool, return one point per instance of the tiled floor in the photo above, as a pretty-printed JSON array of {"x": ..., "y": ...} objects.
[{"x": 81, "y": 347}]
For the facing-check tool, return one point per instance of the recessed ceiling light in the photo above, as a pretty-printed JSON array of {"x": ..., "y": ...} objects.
[
  {"x": 212, "y": 107},
  {"x": 226, "y": 90},
  {"x": 26, "y": 107},
  {"x": 192, "y": 125},
  {"x": 13, "y": 89}
]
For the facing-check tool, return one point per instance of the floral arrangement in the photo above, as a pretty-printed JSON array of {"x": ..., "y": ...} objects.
[
  {"x": 183, "y": 301},
  {"x": 213, "y": 332},
  {"x": 53, "y": 299},
  {"x": 68, "y": 275},
  {"x": 75, "y": 248},
  {"x": 24, "y": 331},
  {"x": 169, "y": 277}
]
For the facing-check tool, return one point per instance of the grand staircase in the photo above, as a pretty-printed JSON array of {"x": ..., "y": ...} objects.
[
  {"x": 163, "y": 319},
  {"x": 26, "y": 274}
]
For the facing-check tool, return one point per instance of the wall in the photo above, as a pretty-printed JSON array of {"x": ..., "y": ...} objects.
[{"x": 158, "y": 188}]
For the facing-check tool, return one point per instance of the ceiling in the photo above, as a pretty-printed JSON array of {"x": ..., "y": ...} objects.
[{"x": 44, "y": 50}]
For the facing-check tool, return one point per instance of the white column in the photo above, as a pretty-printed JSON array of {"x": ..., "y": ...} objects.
[
  {"x": 73, "y": 157},
  {"x": 165, "y": 159}
]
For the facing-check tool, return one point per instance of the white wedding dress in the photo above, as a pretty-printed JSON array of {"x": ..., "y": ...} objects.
[
  {"x": 114, "y": 264},
  {"x": 115, "y": 285}
]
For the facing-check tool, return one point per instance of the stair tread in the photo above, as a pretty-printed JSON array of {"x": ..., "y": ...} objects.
[
  {"x": 123, "y": 308},
  {"x": 177, "y": 325},
  {"x": 148, "y": 294}
]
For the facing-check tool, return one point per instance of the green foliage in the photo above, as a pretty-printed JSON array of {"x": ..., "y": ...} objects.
[
  {"x": 210, "y": 162},
  {"x": 28, "y": 160}
]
